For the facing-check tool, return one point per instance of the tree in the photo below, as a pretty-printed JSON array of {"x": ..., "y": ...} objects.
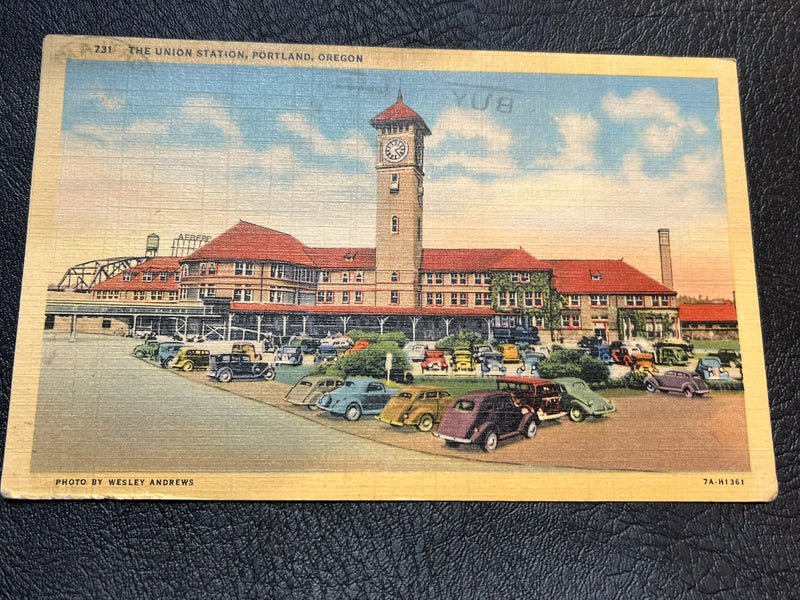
[
  {"x": 573, "y": 363},
  {"x": 462, "y": 339},
  {"x": 370, "y": 362}
]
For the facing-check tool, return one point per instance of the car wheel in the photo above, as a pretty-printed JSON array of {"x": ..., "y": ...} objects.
[
  {"x": 687, "y": 392},
  {"x": 520, "y": 370},
  {"x": 268, "y": 374},
  {"x": 490, "y": 440},
  {"x": 224, "y": 375},
  {"x": 353, "y": 412},
  {"x": 650, "y": 386},
  {"x": 531, "y": 429},
  {"x": 188, "y": 366},
  {"x": 425, "y": 423},
  {"x": 576, "y": 415},
  {"x": 167, "y": 363},
  {"x": 139, "y": 354}
]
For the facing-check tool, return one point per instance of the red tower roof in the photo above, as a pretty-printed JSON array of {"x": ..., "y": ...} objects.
[{"x": 399, "y": 113}]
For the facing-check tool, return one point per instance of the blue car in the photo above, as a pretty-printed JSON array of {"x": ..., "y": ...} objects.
[
  {"x": 289, "y": 355},
  {"x": 358, "y": 396},
  {"x": 326, "y": 354},
  {"x": 530, "y": 363},
  {"x": 167, "y": 352}
]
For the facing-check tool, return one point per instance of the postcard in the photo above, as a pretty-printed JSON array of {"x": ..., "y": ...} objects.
[{"x": 337, "y": 273}]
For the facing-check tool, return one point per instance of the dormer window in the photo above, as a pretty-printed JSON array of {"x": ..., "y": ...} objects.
[
  {"x": 596, "y": 275},
  {"x": 127, "y": 276},
  {"x": 147, "y": 276}
]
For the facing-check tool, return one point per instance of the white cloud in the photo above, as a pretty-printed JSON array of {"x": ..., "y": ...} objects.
[
  {"x": 474, "y": 127},
  {"x": 205, "y": 110},
  {"x": 663, "y": 125},
  {"x": 355, "y": 146},
  {"x": 107, "y": 101},
  {"x": 579, "y": 133}
]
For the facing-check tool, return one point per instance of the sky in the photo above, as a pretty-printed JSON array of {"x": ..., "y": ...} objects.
[{"x": 566, "y": 166}]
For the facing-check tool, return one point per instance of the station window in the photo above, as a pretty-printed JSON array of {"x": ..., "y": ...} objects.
[
  {"x": 395, "y": 297},
  {"x": 395, "y": 277},
  {"x": 395, "y": 224},
  {"x": 345, "y": 297},
  {"x": 127, "y": 276},
  {"x": 359, "y": 297},
  {"x": 147, "y": 276},
  {"x": 598, "y": 300},
  {"x": 634, "y": 300}
]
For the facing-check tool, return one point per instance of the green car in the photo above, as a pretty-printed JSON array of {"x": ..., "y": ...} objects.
[{"x": 581, "y": 401}]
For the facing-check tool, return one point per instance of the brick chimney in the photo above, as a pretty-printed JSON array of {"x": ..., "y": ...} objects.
[{"x": 666, "y": 257}]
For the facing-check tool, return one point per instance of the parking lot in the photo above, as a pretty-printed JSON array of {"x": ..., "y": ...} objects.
[{"x": 101, "y": 408}]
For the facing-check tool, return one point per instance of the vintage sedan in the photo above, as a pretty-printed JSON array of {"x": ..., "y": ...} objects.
[
  {"x": 530, "y": 363},
  {"x": 289, "y": 355},
  {"x": 227, "y": 367},
  {"x": 539, "y": 395},
  {"x": 710, "y": 369},
  {"x": 600, "y": 352},
  {"x": 434, "y": 361},
  {"x": 326, "y": 354},
  {"x": 510, "y": 353},
  {"x": 728, "y": 357},
  {"x": 485, "y": 418},
  {"x": 415, "y": 351},
  {"x": 580, "y": 401},
  {"x": 463, "y": 360},
  {"x": 310, "y": 389},
  {"x": 357, "y": 347},
  {"x": 167, "y": 351},
  {"x": 358, "y": 396},
  {"x": 419, "y": 405},
  {"x": 190, "y": 359},
  {"x": 492, "y": 365},
  {"x": 681, "y": 382}
]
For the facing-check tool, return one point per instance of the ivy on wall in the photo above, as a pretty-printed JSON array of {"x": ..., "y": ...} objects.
[
  {"x": 552, "y": 301},
  {"x": 642, "y": 318}
]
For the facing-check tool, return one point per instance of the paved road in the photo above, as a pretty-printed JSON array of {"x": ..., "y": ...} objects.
[{"x": 100, "y": 409}]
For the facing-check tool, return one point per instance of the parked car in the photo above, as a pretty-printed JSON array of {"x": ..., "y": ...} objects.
[
  {"x": 519, "y": 335},
  {"x": 588, "y": 341},
  {"x": 147, "y": 350},
  {"x": 642, "y": 362},
  {"x": 728, "y": 357},
  {"x": 415, "y": 351},
  {"x": 358, "y": 346},
  {"x": 463, "y": 360},
  {"x": 600, "y": 352},
  {"x": 310, "y": 389},
  {"x": 621, "y": 356},
  {"x": 419, "y": 405},
  {"x": 710, "y": 369},
  {"x": 246, "y": 348},
  {"x": 337, "y": 340},
  {"x": 485, "y": 418},
  {"x": 167, "y": 351},
  {"x": 227, "y": 367},
  {"x": 530, "y": 363},
  {"x": 401, "y": 376},
  {"x": 580, "y": 401},
  {"x": 326, "y": 354},
  {"x": 481, "y": 351},
  {"x": 492, "y": 365},
  {"x": 671, "y": 355},
  {"x": 358, "y": 396},
  {"x": 677, "y": 343},
  {"x": 682, "y": 382},
  {"x": 434, "y": 361},
  {"x": 289, "y": 355},
  {"x": 510, "y": 353},
  {"x": 307, "y": 345},
  {"x": 190, "y": 359},
  {"x": 539, "y": 395}
]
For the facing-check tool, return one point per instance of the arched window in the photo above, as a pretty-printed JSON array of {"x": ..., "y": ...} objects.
[
  {"x": 394, "y": 276},
  {"x": 395, "y": 224}
]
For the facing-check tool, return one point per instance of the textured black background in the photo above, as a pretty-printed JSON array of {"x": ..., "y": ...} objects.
[{"x": 448, "y": 550}]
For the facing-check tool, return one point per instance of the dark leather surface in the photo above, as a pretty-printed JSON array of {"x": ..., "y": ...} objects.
[{"x": 448, "y": 550}]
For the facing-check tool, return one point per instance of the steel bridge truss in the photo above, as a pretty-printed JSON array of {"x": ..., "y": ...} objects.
[{"x": 84, "y": 276}]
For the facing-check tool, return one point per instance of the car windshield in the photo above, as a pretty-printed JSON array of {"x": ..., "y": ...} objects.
[
  {"x": 465, "y": 406},
  {"x": 579, "y": 385},
  {"x": 306, "y": 383},
  {"x": 289, "y": 349},
  {"x": 348, "y": 383},
  {"x": 405, "y": 395}
]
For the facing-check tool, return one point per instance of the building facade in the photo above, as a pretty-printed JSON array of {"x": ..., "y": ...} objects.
[{"x": 253, "y": 280}]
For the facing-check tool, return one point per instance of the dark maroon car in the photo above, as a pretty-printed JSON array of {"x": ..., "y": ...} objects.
[
  {"x": 682, "y": 382},
  {"x": 485, "y": 418}
]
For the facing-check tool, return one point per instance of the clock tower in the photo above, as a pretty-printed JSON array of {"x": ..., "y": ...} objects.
[{"x": 398, "y": 233}]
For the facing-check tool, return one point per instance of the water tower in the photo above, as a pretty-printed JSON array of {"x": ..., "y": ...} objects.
[{"x": 151, "y": 250}]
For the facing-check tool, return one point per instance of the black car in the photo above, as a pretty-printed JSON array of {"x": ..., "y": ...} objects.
[{"x": 226, "y": 367}]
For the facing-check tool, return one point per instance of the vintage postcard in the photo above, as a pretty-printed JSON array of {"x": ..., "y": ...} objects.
[{"x": 300, "y": 272}]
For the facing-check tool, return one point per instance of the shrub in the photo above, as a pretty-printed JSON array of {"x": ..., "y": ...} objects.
[
  {"x": 370, "y": 362},
  {"x": 634, "y": 380},
  {"x": 731, "y": 385},
  {"x": 373, "y": 337},
  {"x": 462, "y": 339},
  {"x": 573, "y": 363}
]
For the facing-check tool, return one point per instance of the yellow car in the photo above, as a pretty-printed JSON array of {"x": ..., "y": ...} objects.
[
  {"x": 420, "y": 405},
  {"x": 510, "y": 353}
]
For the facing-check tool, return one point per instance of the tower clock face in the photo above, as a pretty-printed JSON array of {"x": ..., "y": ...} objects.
[{"x": 395, "y": 150}]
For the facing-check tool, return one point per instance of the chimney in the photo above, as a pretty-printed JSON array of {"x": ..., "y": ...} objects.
[{"x": 666, "y": 257}]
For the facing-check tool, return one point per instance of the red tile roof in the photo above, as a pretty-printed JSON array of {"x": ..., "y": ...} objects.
[
  {"x": 246, "y": 241},
  {"x": 162, "y": 264},
  {"x": 480, "y": 259},
  {"x": 708, "y": 313},
  {"x": 337, "y": 258},
  {"x": 399, "y": 112},
  {"x": 615, "y": 277}
]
